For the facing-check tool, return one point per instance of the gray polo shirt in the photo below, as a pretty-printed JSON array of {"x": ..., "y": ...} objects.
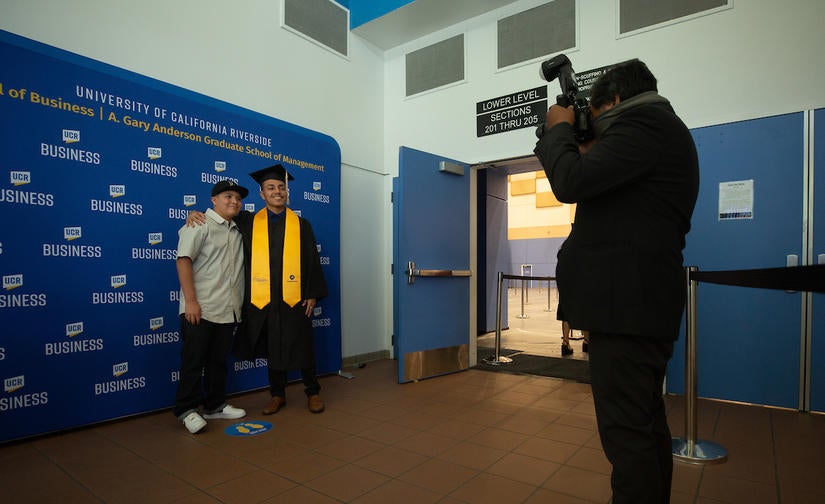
[{"x": 216, "y": 252}]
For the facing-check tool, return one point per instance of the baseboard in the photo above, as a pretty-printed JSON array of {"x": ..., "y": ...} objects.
[{"x": 354, "y": 360}]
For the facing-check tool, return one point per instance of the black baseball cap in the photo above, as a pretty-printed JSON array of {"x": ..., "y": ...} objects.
[{"x": 229, "y": 185}]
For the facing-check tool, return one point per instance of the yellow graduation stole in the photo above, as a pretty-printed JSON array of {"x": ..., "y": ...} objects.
[{"x": 260, "y": 276}]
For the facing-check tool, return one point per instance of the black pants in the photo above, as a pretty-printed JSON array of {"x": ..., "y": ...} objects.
[
  {"x": 627, "y": 373},
  {"x": 277, "y": 382},
  {"x": 278, "y": 377},
  {"x": 202, "y": 365}
]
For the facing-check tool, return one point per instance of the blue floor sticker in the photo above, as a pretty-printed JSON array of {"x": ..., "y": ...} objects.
[{"x": 252, "y": 428}]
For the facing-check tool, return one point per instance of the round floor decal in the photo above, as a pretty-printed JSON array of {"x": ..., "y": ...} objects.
[{"x": 248, "y": 428}]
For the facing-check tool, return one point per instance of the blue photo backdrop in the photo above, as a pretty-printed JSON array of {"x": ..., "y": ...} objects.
[{"x": 99, "y": 167}]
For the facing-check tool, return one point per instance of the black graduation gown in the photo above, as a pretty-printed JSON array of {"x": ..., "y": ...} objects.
[{"x": 286, "y": 332}]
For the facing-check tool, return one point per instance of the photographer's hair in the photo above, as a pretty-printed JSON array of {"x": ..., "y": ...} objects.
[{"x": 625, "y": 80}]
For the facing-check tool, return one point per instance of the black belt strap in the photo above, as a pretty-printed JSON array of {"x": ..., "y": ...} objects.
[{"x": 797, "y": 278}]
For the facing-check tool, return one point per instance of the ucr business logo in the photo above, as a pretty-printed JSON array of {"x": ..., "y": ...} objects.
[
  {"x": 154, "y": 152},
  {"x": 24, "y": 300},
  {"x": 72, "y": 233},
  {"x": 69, "y": 153},
  {"x": 318, "y": 321},
  {"x": 116, "y": 207},
  {"x": 316, "y": 196},
  {"x": 117, "y": 190},
  {"x": 71, "y": 136},
  {"x": 118, "y": 281},
  {"x": 325, "y": 260},
  {"x": 249, "y": 207},
  {"x": 14, "y": 383},
  {"x": 154, "y": 253},
  {"x": 220, "y": 166},
  {"x": 73, "y": 329},
  {"x": 73, "y": 250},
  {"x": 190, "y": 200},
  {"x": 72, "y": 345},
  {"x": 156, "y": 338},
  {"x": 120, "y": 369},
  {"x": 12, "y": 281},
  {"x": 19, "y": 178}
]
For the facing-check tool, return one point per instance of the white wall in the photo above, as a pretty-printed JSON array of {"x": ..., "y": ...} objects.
[
  {"x": 760, "y": 58},
  {"x": 237, "y": 52}
]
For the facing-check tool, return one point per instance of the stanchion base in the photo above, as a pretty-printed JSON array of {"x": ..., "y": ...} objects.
[
  {"x": 522, "y": 316},
  {"x": 702, "y": 452},
  {"x": 497, "y": 362}
]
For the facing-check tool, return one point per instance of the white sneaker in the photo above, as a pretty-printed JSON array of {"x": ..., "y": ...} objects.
[
  {"x": 227, "y": 413},
  {"x": 194, "y": 422}
]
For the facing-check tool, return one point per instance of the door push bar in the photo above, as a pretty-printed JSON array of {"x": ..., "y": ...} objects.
[{"x": 412, "y": 272}]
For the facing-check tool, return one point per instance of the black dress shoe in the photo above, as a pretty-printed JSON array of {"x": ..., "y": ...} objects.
[{"x": 566, "y": 349}]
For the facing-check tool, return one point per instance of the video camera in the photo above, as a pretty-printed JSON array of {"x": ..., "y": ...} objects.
[{"x": 560, "y": 66}]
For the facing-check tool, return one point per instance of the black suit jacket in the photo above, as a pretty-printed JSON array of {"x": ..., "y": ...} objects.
[{"x": 620, "y": 269}]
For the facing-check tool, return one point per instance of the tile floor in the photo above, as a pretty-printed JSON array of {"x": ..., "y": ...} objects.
[{"x": 469, "y": 437}]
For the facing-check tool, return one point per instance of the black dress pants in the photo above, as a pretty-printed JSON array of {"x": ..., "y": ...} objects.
[
  {"x": 278, "y": 379},
  {"x": 627, "y": 373},
  {"x": 202, "y": 365}
]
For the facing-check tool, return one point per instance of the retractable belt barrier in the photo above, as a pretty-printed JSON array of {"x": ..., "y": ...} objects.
[
  {"x": 497, "y": 359},
  {"x": 796, "y": 278}
]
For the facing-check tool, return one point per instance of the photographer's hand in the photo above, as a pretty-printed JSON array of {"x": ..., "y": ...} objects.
[{"x": 558, "y": 114}]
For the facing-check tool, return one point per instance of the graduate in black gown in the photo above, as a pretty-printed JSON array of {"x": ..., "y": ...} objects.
[{"x": 284, "y": 281}]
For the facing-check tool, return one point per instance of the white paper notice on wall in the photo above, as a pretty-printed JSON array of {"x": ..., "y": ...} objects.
[{"x": 736, "y": 200}]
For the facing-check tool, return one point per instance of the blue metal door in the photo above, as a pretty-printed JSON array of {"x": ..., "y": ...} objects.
[
  {"x": 817, "y": 318},
  {"x": 748, "y": 339},
  {"x": 431, "y": 264}
]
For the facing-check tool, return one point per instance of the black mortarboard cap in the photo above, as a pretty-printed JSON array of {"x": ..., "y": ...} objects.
[{"x": 276, "y": 172}]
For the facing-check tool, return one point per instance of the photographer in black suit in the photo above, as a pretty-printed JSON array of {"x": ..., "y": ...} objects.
[{"x": 620, "y": 272}]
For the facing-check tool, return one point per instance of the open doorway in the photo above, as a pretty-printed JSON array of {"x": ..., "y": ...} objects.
[{"x": 517, "y": 241}]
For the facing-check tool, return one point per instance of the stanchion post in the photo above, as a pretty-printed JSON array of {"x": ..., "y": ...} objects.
[
  {"x": 522, "y": 301},
  {"x": 549, "y": 282},
  {"x": 497, "y": 359},
  {"x": 689, "y": 448}
]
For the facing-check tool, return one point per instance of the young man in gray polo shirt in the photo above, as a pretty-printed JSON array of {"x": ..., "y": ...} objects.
[{"x": 210, "y": 270}]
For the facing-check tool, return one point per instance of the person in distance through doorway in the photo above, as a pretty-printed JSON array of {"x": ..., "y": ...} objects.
[
  {"x": 620, "y": 272},
  {"x": 284, "y": 282},
  {"x": 210, "y": 270},
  {"x": 566, "y": 332}
]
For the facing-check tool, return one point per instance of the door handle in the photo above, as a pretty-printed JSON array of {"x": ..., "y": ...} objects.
[{"x": 413, "y": 272}]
